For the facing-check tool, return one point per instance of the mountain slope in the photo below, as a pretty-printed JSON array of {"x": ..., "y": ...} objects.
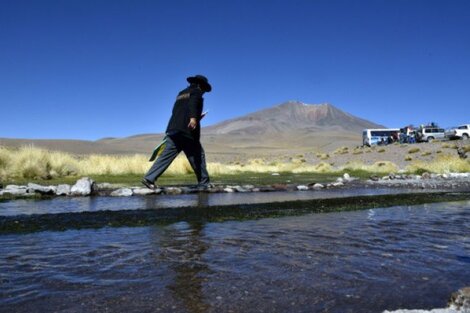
[
  {"x": 282, "y": 129},
  {"x": 292, "y": 116}
]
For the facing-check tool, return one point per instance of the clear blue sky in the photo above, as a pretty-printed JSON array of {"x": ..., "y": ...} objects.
[{"x": 90, "y": 69}]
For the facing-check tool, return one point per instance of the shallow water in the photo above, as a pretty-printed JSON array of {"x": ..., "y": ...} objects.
[
  {"x": 94, "y": 204},
  {"x": 360, "y": 261}
]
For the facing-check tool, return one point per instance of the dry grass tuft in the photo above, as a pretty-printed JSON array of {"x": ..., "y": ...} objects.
[
  {"x": 342, "y": 150},
  {"x": 378, "y": 167},
  {"x": 413, "y": 150},
  {"x": 442, "y": 164}
]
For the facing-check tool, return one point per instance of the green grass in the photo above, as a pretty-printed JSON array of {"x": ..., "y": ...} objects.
[{"x": 189, "y": 179}]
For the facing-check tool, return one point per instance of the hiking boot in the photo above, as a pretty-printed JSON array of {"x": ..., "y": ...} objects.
[
  {"x": 148, "y": 184},
  {"x": 204, "y": 187}
]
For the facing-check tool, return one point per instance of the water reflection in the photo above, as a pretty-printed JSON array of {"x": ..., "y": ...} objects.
[{"x": 183, "y": 249}]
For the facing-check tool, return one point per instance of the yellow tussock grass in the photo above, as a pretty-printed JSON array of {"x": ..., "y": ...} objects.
[{"x": 442, "y": 164}]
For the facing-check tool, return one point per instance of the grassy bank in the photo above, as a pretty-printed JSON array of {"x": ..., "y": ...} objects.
[{"x": 29, "y": 164}]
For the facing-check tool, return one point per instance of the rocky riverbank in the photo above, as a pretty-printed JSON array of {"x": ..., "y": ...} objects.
[
  {"x": 87, "y": 187},
  {"x": 459, "y": 302}
]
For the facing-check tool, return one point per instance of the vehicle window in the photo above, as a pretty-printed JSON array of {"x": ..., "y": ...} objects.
[
  {"x": 441, "y": 130},
  {"x": 462, "y": 127}
]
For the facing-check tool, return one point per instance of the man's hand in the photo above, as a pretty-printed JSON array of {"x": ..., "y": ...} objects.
[{"x": 192, "y": 123}]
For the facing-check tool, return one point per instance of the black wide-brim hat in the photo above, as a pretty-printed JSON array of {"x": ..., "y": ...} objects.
[{"x": 202, "y": 81}]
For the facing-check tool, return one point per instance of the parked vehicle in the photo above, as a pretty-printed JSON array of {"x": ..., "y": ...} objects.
[
  {"x": 459, "y": 132},
  {"x": 429, "y": 133},
  {"x": 378, "y": 136}
]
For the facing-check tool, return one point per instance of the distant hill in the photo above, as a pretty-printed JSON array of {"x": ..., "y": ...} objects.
[
  {"x": 292, "y": 116},
  {"x": 285, "y": 128}
]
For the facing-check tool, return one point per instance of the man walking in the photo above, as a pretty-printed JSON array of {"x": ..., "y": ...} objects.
[{"x": 183, "y": 134}]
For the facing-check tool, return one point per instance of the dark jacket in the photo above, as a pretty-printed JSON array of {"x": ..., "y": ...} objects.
[{"x": 188, "y": 104}]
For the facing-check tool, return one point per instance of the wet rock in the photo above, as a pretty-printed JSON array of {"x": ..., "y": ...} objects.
[
  {"x": 318, "y": 186},
  {"x": 122, "y": 192},
  {"x": 240, "y": 189},
  {"x": 459, "y": 175},
  {"x": 339, "y": 180},
  {"x": 44, "y": 190},
  {"x": 63, "y": 190},
  {"x": 266, "y": 189},
  {"x": 15, "y": 190},
  {"x": 386, "y": 178},
  {"x": 83, "y": 187},
  {"x": 346, "y": 177},
  {"x": 374, "y": 178},
  {"x": 172, "y": 191},
  {"x": 228, "y": 189},
  {"x": 275, "y": 174},
  {"x": 279, "y": 187},
  {"x": 256, "y": 189},
  {"x": 302, "y": 188},
  {"x": 392, "y": 176},
  {"x": 337, "y": 184},
  {"x": 426, "y": 175},
  {"x": 248, "y": 187},
  {"x": 461, "y": 299},
  {"x": 104, "y": 186}
]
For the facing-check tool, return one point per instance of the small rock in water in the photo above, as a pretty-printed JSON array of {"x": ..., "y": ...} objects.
[
  {"x": 426, "y": 175},
  {"x": 240, "y": 189},
  {"x": 63, "y": 190},
  {"x": 83, "y": 187},
  {"x": 346, "y": 177},
  {"x": 275, "y": 174},
  {"x": 337, "y": 184},
  {"x": 173, "y": 191},
  {"x": 302, "y": 188},
  {"x": 318, "y": 186},
  {"x": 374, "y": 178},
  {"x": 143, "y": 191},
  {"x": 461, "y": 299},
  {"x": 279, "y": 186},
  {"x": 45, "y": 190},
  {"x": 15, "y": 190},
  {"x": 228, "y": 189},
  {"x": 122, "y": 192}
]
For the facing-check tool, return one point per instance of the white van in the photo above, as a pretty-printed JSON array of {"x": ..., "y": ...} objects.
[{"x": 378, "y": 136}]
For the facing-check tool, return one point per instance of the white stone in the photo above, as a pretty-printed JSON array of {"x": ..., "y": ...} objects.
[
  {"x": 302, "y": 187},
  {"x": 122, "y": 192},
  {"x": 275, "y": 174},
  {"x": 15, "y": 190},
  {"x": 143, "y": 191},
  {"x": 173, "y": 190},
  {"x": 63, "y": 190},
  {"x": 41, "y": 189},
  {"x": 346, "y": 177},
  {"x": 240, "y": 189},
  {"x": 83, "y": 187},
  {"x": 318, "y": 186},
  {"x": 338, "y": 184},
  {"x": 339, "y": 179},
  {"x": 228, "y": 189}
]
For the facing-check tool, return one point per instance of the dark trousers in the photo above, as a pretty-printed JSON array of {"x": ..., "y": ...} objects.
[{"x": 174, "y": 145}]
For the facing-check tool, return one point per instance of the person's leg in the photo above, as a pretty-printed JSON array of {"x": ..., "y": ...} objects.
[
  {"x": 171, "y": 151},
  {"x": 197, "y": 158}
]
